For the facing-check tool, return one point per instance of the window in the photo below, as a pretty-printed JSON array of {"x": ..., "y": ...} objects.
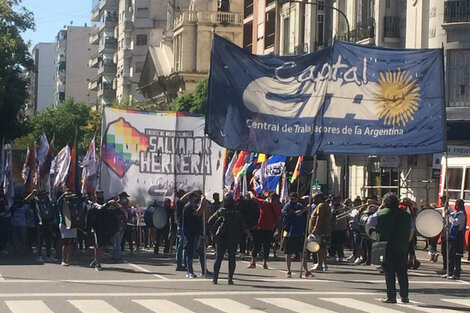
[
  {"x": 270, "y": 29},
  {"x": 286, "y": 35},
  {"x": 142, "y": 13},
  {"x": 223, "y": 5},
  {"x": 248, "y": 8},
  {"x": 458, "y": 68},
  {"x": 141, "y": 40},
  {"x": 248, "y": 36},
  {"x": 455, "y": 182},
  {"x": 321, "y": 30},
  {"x": 466, "y": 187},
  {"x": 139, "y": 66}
]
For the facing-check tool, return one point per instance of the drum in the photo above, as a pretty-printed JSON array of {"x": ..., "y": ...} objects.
[
  {"x": 72, "y": 212},
  {"x": 366, "y": 229},
  {"x": 105, "y": 221},
  {"x": 155, "y": 217},
  {"x": 429, "y": 223},
  {"x": 313, "y": 243}
]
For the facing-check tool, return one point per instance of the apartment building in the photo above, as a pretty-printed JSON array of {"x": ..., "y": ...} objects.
[
  {"x": 182, "y": 58},
  {"x": 72, "y": 71},
  {"x": 127, "y": 28},
  {"x": 261, "y": 26},
  {"x": 42, "y": 77}
]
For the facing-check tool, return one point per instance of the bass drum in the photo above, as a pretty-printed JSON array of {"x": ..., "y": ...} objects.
[
  {"x": 366, "y": 229},
  {"x": 72, "y": 212},
  {"x": 155, "y": 217},
  {"x": 105, "y": 221},
  {"x": 429, "y": 223},
  {"x": 313, "y": 243}
]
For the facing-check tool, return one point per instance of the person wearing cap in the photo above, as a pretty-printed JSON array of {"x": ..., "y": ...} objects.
[
  {"x": 294, "y": 219},
  {"x": 192, "y": 227},
  {"x": 320, "y": 226}
]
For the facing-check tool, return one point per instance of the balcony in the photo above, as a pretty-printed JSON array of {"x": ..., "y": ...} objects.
[
  {"x": 109, "y": 44},
  {"x": 128, "y": 26},
  {"x": 207, "y": 17},
  {"x": 94, "y": 37},
  {"x": 105, "y": 90},
  {"x": 107, "y": 67},
  {"x": 109, "y": 23},
  {"x": 363, "y": 33},
  {"x": 93, "y": 85},
  {"x": 392, "y": 26},
  {"x": 127, "y": 51},
  {"x": 457, "y": 11},
  {"x": 94, "y": 61},
  {"x": 96, "y": 13}
]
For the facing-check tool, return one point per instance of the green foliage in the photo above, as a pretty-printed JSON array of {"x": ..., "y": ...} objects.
[
  {"x": 193, "y": 102},
  {"x": 63, "y": 121},
  {"x": 145, "y": 105},
  {"x": 14, "y": 59}
]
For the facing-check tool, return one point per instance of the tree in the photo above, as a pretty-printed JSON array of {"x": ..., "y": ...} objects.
[
  {"x": 193, "y": 102},
  {"x": 63, "y": 121},
  {"x": 14, "y": 60}
]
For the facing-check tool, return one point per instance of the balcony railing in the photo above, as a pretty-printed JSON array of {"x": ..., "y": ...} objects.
[
  {"x": 392, "y": 26},
  {"x": 457, "y": 11},
  {"x": 363, "y": 31},
  {"x": 223, "y": 18}
]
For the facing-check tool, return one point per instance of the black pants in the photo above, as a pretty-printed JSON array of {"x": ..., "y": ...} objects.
[
  {"x": 221, "y": 247},
  {"x": 396, "y": 266},
  {"x": 432, "y": 242},
  {"x": 245, "y": 243},
  {"x": 162, "y": 235},
  {"x": 5, "y": 233},
  {"x": 444, "y": 252},
  {"x": 128, "y": 237},
  {"x": 338, "y": 238},
  {"x": 455, "y": 254},
  {"x": 366, "y": 249},
  {"x": 262, "y": 239},
  {"x": 45, "y": 236}
]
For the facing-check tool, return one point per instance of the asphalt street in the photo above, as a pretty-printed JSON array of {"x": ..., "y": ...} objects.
[{"x": 148, "y": 283}]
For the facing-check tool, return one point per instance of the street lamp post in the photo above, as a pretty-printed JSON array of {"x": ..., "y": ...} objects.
[{"x": 281, "y": 2}]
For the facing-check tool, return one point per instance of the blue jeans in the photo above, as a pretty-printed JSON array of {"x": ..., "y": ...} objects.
[
  {"x": 180, "y": 255},
  {"x": 221, "y": 247},
  {"x": 191, "y": 245},
  {"x": 117, "y": 239}
]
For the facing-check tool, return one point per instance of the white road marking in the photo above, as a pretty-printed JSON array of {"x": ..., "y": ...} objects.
[
  {"x": 28, "y": 306},
  {"x": 1, "y": 277},
  {"x": 146, "y": 270},
  {"x": 418, "y": 306},
  {"x": 93, "y": 306},
  {"x": 228, "y": 305},
  {"x": 360, "y": 305},
  {"x": 294, "y": 305},
  {"x": 162, "y": 306},
  {"x": 181, "y": 294},
  {"x": 465, "y": 302}
]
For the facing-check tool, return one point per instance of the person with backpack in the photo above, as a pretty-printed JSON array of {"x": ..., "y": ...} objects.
[
  {"x": 227, "y": 225},
  {"x": 269, "y": 218}
]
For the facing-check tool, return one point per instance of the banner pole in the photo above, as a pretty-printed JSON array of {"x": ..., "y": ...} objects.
[
  {"x": 312, "y": 180},
  {"x": 203, "y": 244},
  {"x": 445, "y": 214}
]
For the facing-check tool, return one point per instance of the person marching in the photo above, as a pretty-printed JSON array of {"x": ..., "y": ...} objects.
[
  {"x": 456, "y": 234},
  {"x": 320, "y": 226},
  {"x": 394, "y": 226},
  {"x": 122, "y": 215},
  {"x": 68, "y": 235},
  {"x": 227, "y": 224},
  {"x": 294, "y": 219}
]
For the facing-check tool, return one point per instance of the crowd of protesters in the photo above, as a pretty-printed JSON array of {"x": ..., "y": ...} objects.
[{"x": 249, "y": 226}]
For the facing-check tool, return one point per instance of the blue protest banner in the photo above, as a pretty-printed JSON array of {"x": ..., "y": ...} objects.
[{"x": 345, "y": 99}]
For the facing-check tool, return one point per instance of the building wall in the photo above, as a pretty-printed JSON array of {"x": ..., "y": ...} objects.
[
  {"x": 78, "y": 74},
  {"x": 44, "y": 55}
]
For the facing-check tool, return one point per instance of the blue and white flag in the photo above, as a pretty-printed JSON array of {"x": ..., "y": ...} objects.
[
  {"x": 345, "y": 99},
  {"x": 274, "y": 168}
]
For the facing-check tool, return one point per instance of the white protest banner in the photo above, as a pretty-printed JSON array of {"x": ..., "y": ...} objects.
[{"x": 150, "y": 155}]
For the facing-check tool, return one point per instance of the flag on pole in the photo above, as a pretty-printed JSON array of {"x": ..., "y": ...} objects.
[
  {"x": 298, "y": 167},
  {"x": 43, "y": 149},
  {"x": 70, "y": 183},
  {"x": 274, "y": 167},
  {"x": 240, "y": 163},
  {"x": 61, "y": 166},
  {"x": 261, "y": 158},
  {"x": 229, "y": 178},
  {"x": 284, "y": 186},
  {"x": 89, "y": 166},
  {"x": 258, "y": 178},
  {"x": 45, "y": 166},
  {"x": 8, "y": 186},
  {"x": 29, "y": 169},
  {"x": 244, "y": 189}
]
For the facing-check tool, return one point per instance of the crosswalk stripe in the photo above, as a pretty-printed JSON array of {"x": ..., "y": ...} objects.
[
  {"x": 28, "y": 306},
  {"x": 360, "y": 305},
  {"x": 465, "y": 302},
  {"x": 93, "y": 306},
  {"x": 228, "y": 305},
  {"x": 162, "y": 306},
  {"x": 294, "y": 305},
  {"x": 418, "y": 306}
]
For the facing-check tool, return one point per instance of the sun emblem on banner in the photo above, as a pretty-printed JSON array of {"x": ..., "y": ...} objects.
[{"x": 396, "y": 97}]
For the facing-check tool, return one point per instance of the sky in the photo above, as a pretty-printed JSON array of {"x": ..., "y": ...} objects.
[{"x": 50, "y": 16}]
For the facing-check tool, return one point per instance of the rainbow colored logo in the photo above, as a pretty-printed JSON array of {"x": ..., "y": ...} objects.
[{"x": 121, "y": 146}]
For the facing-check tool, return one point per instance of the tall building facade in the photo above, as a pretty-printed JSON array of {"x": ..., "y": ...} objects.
[
  {"x": 261, "y": 26},
  {"x": 127, "y": 28},
  {"x": 42, "y": 77},
  {"x": 72, "y": 71}
]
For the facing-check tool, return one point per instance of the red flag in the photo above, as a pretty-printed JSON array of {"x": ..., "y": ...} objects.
[
  {"x": 240, "y": 163},
  {"x": 70, "y": 182}
]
